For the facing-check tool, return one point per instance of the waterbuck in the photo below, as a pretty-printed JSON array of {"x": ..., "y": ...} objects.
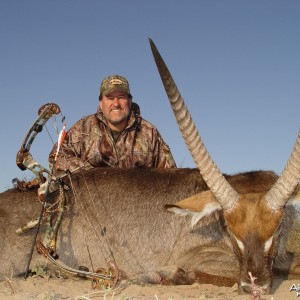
[{"x": 231, "y": 225}]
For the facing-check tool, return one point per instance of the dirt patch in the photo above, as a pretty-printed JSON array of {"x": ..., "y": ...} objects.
[{"x": 80, "y": 289}]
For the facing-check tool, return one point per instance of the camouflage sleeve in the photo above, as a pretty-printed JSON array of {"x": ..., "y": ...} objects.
[
  {"x": 68, "y": 158},
  {"x": 164, "y": 158}
]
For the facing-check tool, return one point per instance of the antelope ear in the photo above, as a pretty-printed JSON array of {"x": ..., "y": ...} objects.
[
  {"x": 197, "y": 206},
  {"x": 295, "y": 198},
  {"x": 198, "y": 202}
]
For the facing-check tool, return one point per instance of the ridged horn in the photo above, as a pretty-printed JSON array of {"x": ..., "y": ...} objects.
[
  {"x": 280, "y": 193},
  {"x": 222, "y": 190}
]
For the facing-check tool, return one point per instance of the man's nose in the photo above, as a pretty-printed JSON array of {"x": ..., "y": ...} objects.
[{"x": 116, "y": 101}]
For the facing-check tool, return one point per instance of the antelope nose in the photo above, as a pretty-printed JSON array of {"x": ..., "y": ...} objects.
[{"x": 247, "y": 288}]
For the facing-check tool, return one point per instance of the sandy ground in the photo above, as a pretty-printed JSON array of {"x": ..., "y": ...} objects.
[{"x": 76, "y": 288}]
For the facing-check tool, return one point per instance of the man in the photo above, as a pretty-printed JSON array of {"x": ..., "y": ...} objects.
[{"x": 116, "y": 136}]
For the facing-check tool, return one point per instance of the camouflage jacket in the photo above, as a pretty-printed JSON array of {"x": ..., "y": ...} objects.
[{"x": 90, "y": 143}]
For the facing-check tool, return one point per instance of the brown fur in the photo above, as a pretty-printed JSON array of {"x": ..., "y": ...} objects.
[{"x": 118, "y": 214}]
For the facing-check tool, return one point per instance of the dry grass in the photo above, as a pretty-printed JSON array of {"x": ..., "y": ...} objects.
[
  {"x": 9, "y": 281},
  {"x": 106, "y": 294}
]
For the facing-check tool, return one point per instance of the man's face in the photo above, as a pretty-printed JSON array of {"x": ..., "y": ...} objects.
[{"x": 116, "y": 109}]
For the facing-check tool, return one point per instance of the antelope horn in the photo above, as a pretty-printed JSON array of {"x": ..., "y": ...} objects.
[
  {"x": 221, "y": 189},
  {"x": 281, "y": 191}
]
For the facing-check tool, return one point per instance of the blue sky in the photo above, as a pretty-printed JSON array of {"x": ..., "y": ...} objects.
[{"x": 235, "y": 62}]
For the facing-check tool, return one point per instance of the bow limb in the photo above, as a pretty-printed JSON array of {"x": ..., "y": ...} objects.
[{"x": 24, "y": 159}]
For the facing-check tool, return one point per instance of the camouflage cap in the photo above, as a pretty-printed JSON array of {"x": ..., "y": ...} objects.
[{"x": 114, "y": 83}]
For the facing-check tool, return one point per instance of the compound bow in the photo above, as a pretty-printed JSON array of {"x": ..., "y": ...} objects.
[{"x": 25, "y": 161}]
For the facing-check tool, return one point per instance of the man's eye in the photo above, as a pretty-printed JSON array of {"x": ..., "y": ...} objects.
[{"x": 119, "y": 98}]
